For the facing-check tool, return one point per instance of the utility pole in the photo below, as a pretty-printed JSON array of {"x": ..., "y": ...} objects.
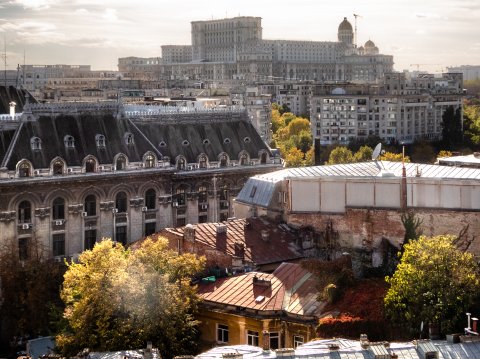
[{"x": 5, "y": 60}]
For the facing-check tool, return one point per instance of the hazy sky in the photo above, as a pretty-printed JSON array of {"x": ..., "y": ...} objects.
[{"x": 432, "y": 33}]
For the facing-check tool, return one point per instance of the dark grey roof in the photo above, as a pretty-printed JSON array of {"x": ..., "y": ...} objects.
[
  {"x": 184, "y": 134},
  {"x": 8, "y": 94}
]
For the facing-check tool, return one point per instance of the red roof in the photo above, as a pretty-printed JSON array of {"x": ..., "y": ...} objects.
[
  {"x": 277, "y": 246},
  {"x": 290, "y": 288}
]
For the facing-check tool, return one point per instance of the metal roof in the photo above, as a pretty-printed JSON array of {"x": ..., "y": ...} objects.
[{"x": 266, "y": 184}]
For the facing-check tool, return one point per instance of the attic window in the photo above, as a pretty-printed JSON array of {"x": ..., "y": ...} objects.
[
  {"x": 36, "y": 144},
  {"x": 162, "y": 144},
  {"x": 129, "y": 139},
  {"x": 206, "y": 141},
  {"x": 227, "y": 141},
  {"x": 253, "y": 191},
  {"x": 100, "y": 140},
  {"x": 185, "y": 143},
  {"x": 247, "y": 140},
  {"x": 69, "y": 141}
]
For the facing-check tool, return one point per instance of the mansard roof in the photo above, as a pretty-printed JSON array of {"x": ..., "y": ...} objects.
[
  {"x": 182, "y": 134},
  {"x": 10, "y": 93}
]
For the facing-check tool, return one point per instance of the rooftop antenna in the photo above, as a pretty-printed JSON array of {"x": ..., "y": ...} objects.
[
  {"x": 5, "y": 59},
  {"x": 355, "y": 35}
]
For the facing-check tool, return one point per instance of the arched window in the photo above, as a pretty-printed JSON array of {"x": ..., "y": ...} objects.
[
  {"x": 121, "y": 163},
  {"x": 90, "y": 206},
  {"x": 223, "y": 160},
  {"x": 90, "y": 165},
  {"x": 150, "y": 198},
  {"x": 24, "y": 170},
  {"x": 36, "y": 144},
  {"x": 149, "y": 161},
  {"x": 57, "y": 168},
  {"x": 69, "y": 141},
  {"x": 24, "y": 212},
  {"x": 243, "y": 159},
  {"x": 202, "y": 161},
  {"x": 227, "y": 141},
  {"x": 263, "y": 158},
  {"x": 100, "y": 141},
  {"x": 121, "y": 202},
  {"x": 185, "y": 143},
  {"x": 181, "y": 163},
  {"x": 181, "y": 196},
  {"x": 202, "y": 194},
  {"x": 58, "y": 208}
]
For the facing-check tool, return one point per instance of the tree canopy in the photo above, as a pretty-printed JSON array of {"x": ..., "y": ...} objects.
[
  {"x": 434, "y": 283},
  {"x": 120, "y": 299}
]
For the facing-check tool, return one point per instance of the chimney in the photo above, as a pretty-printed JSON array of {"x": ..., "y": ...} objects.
[
  {"x": 474, "y": 326},
  {"x": 12, "y": 109},
  {"x": 239, "y": 249},
  {"x": 265, "y": 235},
  {"x": 189, "y": 233},
  {"x": 221, "y": 229}
]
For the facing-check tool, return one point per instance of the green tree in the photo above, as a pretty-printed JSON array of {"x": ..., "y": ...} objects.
[
  {"x": 363, "y": 154},
  {"x": 340, "y": 155},
  {"x": 452, "y": 135},
  {"x": 120, "y": 299},
  {"x": 29, "y": 292},
  {"x": 434, "y": 283},
  {"x": 471, "y": 116}
]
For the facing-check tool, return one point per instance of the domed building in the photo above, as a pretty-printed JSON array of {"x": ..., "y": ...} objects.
[
  {"x": 345, "y": 32},
  {"x": 370, "y": 48}
]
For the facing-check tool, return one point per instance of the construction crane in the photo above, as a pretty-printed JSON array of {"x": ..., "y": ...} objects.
[{"x": 356, "y": 37}]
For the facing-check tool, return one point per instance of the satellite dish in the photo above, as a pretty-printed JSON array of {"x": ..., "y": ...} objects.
[{"x": 376, "y": 152}]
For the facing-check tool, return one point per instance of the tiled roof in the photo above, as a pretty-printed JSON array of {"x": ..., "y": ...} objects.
[
  {"x": 290, "y": 288},
  {"x": 249, "y": 232}
]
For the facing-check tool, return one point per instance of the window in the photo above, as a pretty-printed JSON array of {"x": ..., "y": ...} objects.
[
  {"x": 297, "y": 340},
  {"x": 121, "y": 202},
  {"x": 90, "y": 206},
  {"x": 121, "y": 234},
  {"x": 202, "y": 161},
  {"x": 202, "y": 194},
  {"x": 57, "y": 168},
  {"x": 252, "y": 338},
  {"x": 149, "y": 161},
  {"x": 23, "y": 248},
  {"x": 24, "y": 212},
  {"x": 90, "y": 165},
  {"x": 222, "y": 333},
  {"x": 206, "y": 141},
  {"x": 227, "y": 141},
  {"x": 58, "y": 243},
  {"x": 180, "y": 196},
  {"x": 150, "y": 228},
  {"x": 129, "y": 139},
  {"x": 263, "y": 158},
  {"x": 100, "y": 141},
  {"x": 181, "y": 163},
  {"x": 274, "y": 340},
  {"x": 90, "y": 238},
  {"x": 121, "y": 163},
  {"x": 247, "y": 140},
  {"x": 223, "y": 160},
  {"x": 24, "y": 170},
  {"x": 243, "y": 160},
  {"x": 69, "y": 142},
  {"x": 150, "y": 198},
  {"x": 58, "y": 208},
  {"x": 36, "y": 144},
  {"x": 162, "y": 144},
  {"x": 181, "y": 222},
  {"x": 185, "y": 143},
  {"x": 203, "y": 218}
]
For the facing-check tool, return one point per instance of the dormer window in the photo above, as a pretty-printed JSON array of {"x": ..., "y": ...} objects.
[
  {"x": 69, "y": 141},
  {"x": 36, "y": 144},
  {"x": 90, "y": 165},
  {"x": 202, "y": 161},
  {"x": 185, "y": 143},
  {"x": 247, "y": 140},
  {"x": 206, "y": 141},
  {"x": 58, "y": 168},
  {"x": 129, "y": 139},
  {"x": 227, "y": 141},
  {"x": 100, "y": 141},
  {"x": 223, "y": 160},
  {"x": 181, "y": 163},
  {"x": 121, "y": 163},
  {"x": 24, "y": 169},
  {"x": 243, "y": 159},
  {"x": 162, "y": 144},
  {"x": 149, "y": 161}
]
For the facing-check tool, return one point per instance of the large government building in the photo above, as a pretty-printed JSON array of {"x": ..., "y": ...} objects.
[
  {"x": 233, "y": 49},
  {"x": 71, "y": 174}
]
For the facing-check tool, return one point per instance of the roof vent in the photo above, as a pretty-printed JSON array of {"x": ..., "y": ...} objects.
[
  {"x": 261, "y": 282},
  {"x": 221, "y": 229},
  {"x": 426, "y": 349},
  {"x": 232, "y": 356}
]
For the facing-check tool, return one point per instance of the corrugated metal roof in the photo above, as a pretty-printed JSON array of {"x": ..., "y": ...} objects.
[
  {"x": 348, "y": 349},
  {"x": 290, "y": 288},
  {"x": 265, "y": 184}
]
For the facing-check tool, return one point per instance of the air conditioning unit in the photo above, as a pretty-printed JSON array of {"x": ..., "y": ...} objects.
[
  {"x": 144, "y": 209},
  {"x": 59, "y": 222},
  {"x": 114, "y": 210},
  {"x": 84, "y": 214},
  {"x": 25, "y": 226}
]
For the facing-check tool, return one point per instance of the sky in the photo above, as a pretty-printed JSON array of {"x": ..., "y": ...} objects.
[{"x": 421, "y": 34}]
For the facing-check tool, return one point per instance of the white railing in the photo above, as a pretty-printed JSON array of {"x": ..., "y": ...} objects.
[
  {"x": 7, "y": 117},
  {"x": 146, "y": 110}
]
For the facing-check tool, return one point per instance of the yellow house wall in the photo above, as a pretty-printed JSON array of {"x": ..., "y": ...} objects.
[{"x": 239, "y": 325}]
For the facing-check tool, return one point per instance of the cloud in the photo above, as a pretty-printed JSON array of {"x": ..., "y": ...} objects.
[
  {"x": 35, "y": 4},
  {"x": 110, "y": 15}
]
